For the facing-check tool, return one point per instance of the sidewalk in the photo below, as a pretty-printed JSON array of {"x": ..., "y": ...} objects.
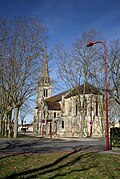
[
  {"x": 80, "y": 139},
  {"x": 113, "y": 151}
]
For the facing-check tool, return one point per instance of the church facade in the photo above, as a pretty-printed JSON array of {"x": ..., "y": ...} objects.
[{"x": 78, "y": 112}]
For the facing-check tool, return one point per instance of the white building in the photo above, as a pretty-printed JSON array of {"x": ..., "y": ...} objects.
[{"x": 25, "y": 128}]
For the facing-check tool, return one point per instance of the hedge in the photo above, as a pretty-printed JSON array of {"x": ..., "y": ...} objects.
[{"x": 115, "y": 137}]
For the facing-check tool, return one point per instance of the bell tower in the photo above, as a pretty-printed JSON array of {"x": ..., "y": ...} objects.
[
  {"x": 44, "y": 81},
  {"x": 44, "y": 91}
]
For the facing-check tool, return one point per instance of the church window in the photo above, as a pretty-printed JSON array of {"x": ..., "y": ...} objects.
[
  {"x": 62, "y": 124},
  {"x": 44, "y": 114},
  {"x": 91, "y": 108},
  {"x": 70, "y": 107},
  {"x": 96, "y": 107},
  {"x": 79, "y": 104},
  {"x": 85, "y": 105},
  {"x": 76, "y": 109},
  {"x": 55, "y": 114},
  {"x": 45, "y": 93}
]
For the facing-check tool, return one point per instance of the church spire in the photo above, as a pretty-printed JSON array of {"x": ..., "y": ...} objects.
[
  {"x": 45, "y": 73},
  {"x": 44, "y": 81}
]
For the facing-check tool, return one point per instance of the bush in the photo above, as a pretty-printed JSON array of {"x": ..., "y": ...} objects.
[{"x": 115, "y": 136}]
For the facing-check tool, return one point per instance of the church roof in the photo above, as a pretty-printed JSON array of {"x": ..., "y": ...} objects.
[
  {"x": 53, "y": 105},
  {"x": 79, "y": 89},
  {"x": 87, "y": 87},
  {"x": 57, "y": 97}
]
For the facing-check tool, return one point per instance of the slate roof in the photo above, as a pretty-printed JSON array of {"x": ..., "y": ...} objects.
[
  {"x": 57, "y": 97},
  {"x": 53, "y": 105},
  {"x": 53, "y": 102}
]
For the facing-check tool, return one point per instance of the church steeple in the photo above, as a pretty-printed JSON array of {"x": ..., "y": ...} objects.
[
  {"x": 44, "y": 81},
  {"x": 45, "y": 73}
]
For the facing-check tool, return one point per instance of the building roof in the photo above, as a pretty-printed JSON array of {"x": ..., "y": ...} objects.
[
  {"x": 53, "y": 105},
  {"x": 80, "y": 89},
  {"x": 57, "y": 97}
]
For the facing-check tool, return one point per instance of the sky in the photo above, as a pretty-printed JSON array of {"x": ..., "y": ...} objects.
[{"x": 68, "y": 19}]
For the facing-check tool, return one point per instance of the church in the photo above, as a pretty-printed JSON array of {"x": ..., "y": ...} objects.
[{"x": 77, "y": 112}]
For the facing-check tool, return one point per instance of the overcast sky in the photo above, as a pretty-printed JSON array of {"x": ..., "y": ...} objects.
[{"x": 67, "y": 19}]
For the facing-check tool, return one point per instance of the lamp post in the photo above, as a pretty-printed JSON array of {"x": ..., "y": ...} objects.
[{"x": 91, "y": 43}]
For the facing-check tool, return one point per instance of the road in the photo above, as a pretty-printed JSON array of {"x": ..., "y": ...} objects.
[{"x": 39, "y": 145}]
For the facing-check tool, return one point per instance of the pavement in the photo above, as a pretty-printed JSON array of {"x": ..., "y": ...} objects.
[
  {"x": 36, "y": 144},
  {"x": 114, "y": 150}
]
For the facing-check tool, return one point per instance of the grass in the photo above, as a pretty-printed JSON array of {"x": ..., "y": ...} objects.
[
  {"x": 24, "y": 135},
  {"x": 79, "y": 165},
  {"x": 20, "y": 135}
]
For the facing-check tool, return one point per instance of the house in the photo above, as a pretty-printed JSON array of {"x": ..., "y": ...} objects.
[
  {"x": 78, "y": 112},
  {"x": 25, "y": 128}
]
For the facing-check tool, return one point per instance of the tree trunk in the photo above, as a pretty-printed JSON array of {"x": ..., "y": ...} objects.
[
  {"x": 16, "y": 111},
  {"x": 9, "y": 124},
  {"x": 5, "y": 119},
  {"x": 3, "y": 126},
  {"x": 0, "y": 123}
]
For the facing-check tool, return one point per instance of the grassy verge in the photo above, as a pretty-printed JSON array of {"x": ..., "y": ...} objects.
[
  {"x": 82, "y": 164},
  {"x": 20, "y": 135}
]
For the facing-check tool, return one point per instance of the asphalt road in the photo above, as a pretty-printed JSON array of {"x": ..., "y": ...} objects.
[{"x": 39, "y": 145}]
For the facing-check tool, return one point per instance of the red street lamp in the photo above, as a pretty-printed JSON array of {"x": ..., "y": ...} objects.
[{"x": 91, "y": 43}]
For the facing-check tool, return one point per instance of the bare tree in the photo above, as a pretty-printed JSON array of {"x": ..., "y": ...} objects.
[
  {"x": 75, "y": 65},
  {"x": 21, "y": 46},
  {"x": 98, "y": 76},
  {"x": 114, "y": 70},
  {"x": 114, "y": 111}
]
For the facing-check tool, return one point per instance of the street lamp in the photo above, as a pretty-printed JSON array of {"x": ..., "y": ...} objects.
[{"x": 91, "y": 43}]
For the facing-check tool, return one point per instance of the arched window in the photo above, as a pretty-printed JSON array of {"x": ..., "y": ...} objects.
[
  {"x": 96, "y": 106},
  {"x": 62, "y": 124},
  {"x": 44, "y": 114},
  {"x": 85, "y": 105},
  {"x": 55, "y": 114},
  {"x": 45, "y": 93},
  {"x": 76, "y": 109}
]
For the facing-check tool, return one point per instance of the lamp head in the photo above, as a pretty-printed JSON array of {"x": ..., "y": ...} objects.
[{"x": 91, "y": 43}]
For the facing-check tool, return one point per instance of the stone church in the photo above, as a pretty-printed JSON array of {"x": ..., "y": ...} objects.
[{"x": 78, "y": 112}]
